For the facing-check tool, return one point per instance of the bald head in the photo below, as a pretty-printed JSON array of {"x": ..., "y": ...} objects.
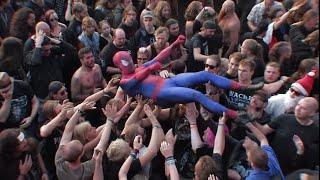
[
  {"x": 311, "y": 102},
  {"x": 72, "y": 151},
  {"x": 228, "y": 5},
  {"x": 43, "y": 26},
  {"x": 119, "y": 38}
]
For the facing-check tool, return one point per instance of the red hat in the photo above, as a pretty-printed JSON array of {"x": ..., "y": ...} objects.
[{"x": 305, "y": 84}]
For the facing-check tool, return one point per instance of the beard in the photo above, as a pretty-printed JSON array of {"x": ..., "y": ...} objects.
[{"x": 290, "y": 103}]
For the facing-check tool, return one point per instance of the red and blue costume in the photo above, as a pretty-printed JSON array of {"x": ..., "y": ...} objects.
[{"x": 168, "y": 92}]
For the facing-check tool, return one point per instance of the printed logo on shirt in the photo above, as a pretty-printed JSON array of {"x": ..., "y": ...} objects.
[{"x": 239, "y": 99}]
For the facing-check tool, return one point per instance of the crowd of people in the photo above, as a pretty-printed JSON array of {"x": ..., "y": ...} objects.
[{"x": 159, "y": 89}]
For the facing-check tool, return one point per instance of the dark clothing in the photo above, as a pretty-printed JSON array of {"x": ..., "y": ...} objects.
[
  {"x": 285, "y": 127},
  {"x": 5, "y": 17},
  {"x": 228, "y": 76},
  {"x": 154, "y": 52},
  {"x": 265, "y": 49},
  {"x": 43, "y": 70},
  {"x": 197, "y": 41},
  {"x": 142, "y": 39},
  {"x": 219, "y": 170},
  {"x": 107, "y": 53},
  {"x": 111, "y": 169},
  {"x": 103, "y": 13},
  {"x": 21, "y": 104},
  {"x": 300, "y": 50},
  {"x": 130, "y": 31},
  {"x": 76, "y": 26},
  {"x": 38, "y": 10},
  {"x": 103, "y": 42},
  {"x": 260, "y": 67}
]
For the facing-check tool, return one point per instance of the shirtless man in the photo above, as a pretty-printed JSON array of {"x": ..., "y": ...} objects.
[
  {"x": 88, "y": 78},
  {"x": 230, "y": 25}
]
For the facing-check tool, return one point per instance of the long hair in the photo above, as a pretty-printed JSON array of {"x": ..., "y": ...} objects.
[
  {"x": 254, "y": 47},
  {"x": 18, "y": 26},
  {"x": 11, "y": 57},
  {"x": 304, "y": 67},
  {"x": 47, "y": 16},
  {"x": 192, "y": 10},
  {"x": 277, "y": 49},
  {"x": 127, "y": 10},
  {"x": 9, "y": 143},
  {"x": 158, "y": 19}
]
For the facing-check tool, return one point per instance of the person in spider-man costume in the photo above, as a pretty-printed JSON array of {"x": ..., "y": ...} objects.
[{"x": 168, "y": 92}]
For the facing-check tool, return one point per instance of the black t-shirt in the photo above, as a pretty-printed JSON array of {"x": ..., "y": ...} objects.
[
  {"x": 76, "y": 26},
  {"x": 20, "y": 104},
  {"x": 286, "y": 126},
  {"x": 130, "y": 31},
  {"x": 197, "y": 41},
  {"x": 260, "y": 67},
  {"x": 219, "y": 171},
  {"x": 110, "y": 50},
  {"x": 111, "y": 169},
  {"x": 142, "y": 38}
]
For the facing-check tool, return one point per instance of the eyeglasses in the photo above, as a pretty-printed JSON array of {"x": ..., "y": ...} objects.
[
  {"x": 54, "y": 19},
  {"x": 210, "y": 66},
  {"x": 295, "y": 92}
]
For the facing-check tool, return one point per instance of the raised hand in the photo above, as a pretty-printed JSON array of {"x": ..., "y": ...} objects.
[
  {"x": 299, "y": 144},
  {"x": 87, "y": 106},
  {"x": 166, "y": 149},
  {"x": 191, "y": 113},
  {"x": 110, "y": 111},
  {"x": 170, "y": 138},
  {"x": 138, "y": 142},
  {"x": 25, "y": 167},
  {"x": 39, "y": 38},
  {"x": 179, "y": 40}
]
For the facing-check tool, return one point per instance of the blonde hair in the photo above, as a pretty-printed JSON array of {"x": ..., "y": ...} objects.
[
  {"x": 80, "y": 132},
  {"x": 118, "y": 150},
  {"x": 88, "y": 21},
  {"x": 48, "y": 108}
]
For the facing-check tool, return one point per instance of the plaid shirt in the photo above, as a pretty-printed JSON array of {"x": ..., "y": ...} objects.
[{"x": 257, "y": 11}]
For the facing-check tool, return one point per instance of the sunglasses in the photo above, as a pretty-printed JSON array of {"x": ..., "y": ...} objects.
[
  {"x": 295, "y": 92},
  {"x": 210, "y": 66},
  {"x": 54, "y": 19},
  {"x": 63, "y": 92}
]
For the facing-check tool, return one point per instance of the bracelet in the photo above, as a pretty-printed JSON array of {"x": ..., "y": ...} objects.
[
  {"x": 133, "y": 155},
  {"x": 171, "y": 161},
  {"x": 156, "y": 126},
  {"x": 111, "y": 120},
  {"x": 221, "y": 124},
  {"x": 136, "y": 151}
]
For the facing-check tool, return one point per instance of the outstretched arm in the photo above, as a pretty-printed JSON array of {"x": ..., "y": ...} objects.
[
  {"x": 191, "y": 115},
  {"x": 164, "y": 54},
  {"x": 219, "y": 142}
]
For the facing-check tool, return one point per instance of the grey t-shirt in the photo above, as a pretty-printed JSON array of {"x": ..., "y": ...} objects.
[{"x": 64, "y": 172}]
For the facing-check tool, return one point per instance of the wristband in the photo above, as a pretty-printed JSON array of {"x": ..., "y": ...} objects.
[
  {"x": 156, "y": 126},
  {"x": 111, "y": 120},
  {"x": 221, "y": 124},
  {"x": 133, "y": 155}
]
